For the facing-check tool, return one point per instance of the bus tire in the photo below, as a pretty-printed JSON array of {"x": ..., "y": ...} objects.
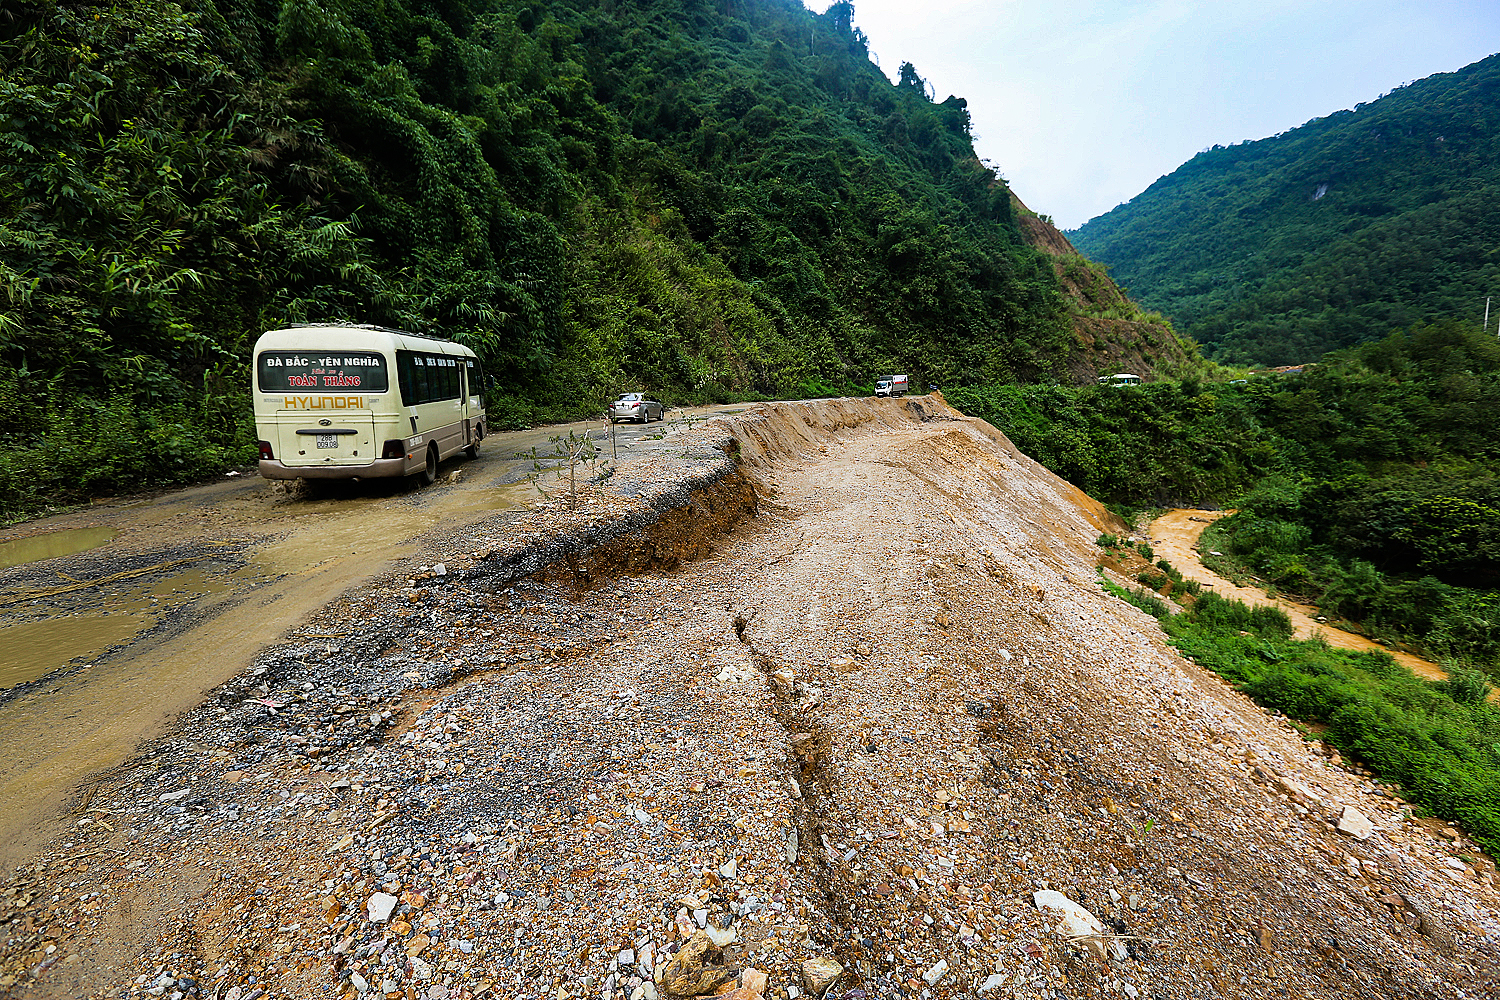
[
  {"x": 428, "y": 475},
  {"x": 472, "y": 451}
]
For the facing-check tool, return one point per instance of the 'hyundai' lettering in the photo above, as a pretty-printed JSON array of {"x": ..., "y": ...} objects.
[{"x": 323, "y": 402}]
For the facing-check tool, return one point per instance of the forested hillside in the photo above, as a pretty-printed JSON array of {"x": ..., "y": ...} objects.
[
  {"x": 1328, "y": 235},
  {"x": 706, "y": 201}
]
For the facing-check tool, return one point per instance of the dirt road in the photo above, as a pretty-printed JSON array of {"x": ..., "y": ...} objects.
[
  {"x": 173, "y": 594},
  {"x": 1174, "y": 537},
  {"x": 826, "y": 683}
]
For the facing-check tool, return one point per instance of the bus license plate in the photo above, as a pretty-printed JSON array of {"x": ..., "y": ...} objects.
[{"x": 328, "y": 440}]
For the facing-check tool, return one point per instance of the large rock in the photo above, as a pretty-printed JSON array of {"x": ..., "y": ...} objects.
[
  {"x": 819, "y": 973},
  {"x": 1299, "y": 792},
  {"x": 697, "y": 969},
  {"x": 380, "y": 906},
  {"x": 1355, "y": 823},
  {"x": 1076, "y": 923}
]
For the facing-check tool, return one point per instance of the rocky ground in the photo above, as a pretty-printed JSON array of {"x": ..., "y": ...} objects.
[{"x": 821, "y": 691}]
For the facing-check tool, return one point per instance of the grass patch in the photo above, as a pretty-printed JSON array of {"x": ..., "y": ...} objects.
[{"x": 1438, "y": 741}]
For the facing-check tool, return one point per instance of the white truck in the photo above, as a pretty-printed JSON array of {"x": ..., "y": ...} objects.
[{"x": 894, "y": 386}]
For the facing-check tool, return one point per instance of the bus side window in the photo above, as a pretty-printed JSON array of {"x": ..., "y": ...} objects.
[
  {"x": 476, "y": 380},
  {"x": 406, "y": 376}
]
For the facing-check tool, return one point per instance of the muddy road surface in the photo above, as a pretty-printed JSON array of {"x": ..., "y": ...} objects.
[{"x": 116, "y": 617}]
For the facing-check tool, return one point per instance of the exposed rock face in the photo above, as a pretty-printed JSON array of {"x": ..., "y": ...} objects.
[{"x": 1114, "y": 334}]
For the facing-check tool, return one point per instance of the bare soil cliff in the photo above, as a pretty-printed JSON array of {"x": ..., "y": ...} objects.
[
  {"x": 821, "y": 690},
  {"x": 1116, "y": 334}
]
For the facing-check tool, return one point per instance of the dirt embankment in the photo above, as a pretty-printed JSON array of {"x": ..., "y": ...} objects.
[
  {"x": 1174, "y": 537},
  {"x": 824, "y": 682}
]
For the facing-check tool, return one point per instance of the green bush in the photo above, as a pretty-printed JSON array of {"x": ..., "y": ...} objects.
[
  {"x": 85, "y": 447},
  {"x": 1438, "y": 741}
]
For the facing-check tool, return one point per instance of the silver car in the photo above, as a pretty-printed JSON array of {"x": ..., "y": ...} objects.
[{"x": 635, "y": 406}]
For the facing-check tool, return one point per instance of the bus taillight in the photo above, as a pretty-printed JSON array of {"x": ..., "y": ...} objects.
[
  {"x": 393, "y": 449},
  {"x": 265, "y": 450}
]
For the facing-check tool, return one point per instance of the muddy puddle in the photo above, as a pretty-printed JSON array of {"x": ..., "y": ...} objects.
[
  {"x": 119, "y": 659},
  {"x": 30, "y": 650},
  {"x": 51, "y": 544}
]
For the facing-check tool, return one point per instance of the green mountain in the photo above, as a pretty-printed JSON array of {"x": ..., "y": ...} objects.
[
  {"x": 1328, "y": 235},
  {"x": 709, "y": 201}
]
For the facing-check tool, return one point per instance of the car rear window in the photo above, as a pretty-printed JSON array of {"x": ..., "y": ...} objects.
[{"x": 283, "y": 371}]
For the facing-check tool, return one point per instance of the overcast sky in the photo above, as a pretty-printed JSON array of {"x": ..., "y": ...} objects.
[{"x": 1082, "y": 105}]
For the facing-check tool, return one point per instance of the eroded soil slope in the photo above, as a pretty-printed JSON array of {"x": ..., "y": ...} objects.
[{"x": 854, "y": 697}]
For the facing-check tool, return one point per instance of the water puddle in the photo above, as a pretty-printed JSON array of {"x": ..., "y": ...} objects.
[
  {"x": 51, "y": 544},
  {"x": 29, "y": 650},
  {"x": 187, "y": 628},
  {"x": 368, "y": 531},
  {"x": 34, "y": 649}
]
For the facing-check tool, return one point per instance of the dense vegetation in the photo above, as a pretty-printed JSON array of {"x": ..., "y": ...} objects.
[
  {"x": 1439, "y": 743},
  {"x": 1327, "y": 235},
  {"x": 704, "y": 201},
  {"x": 1369, "y": 483}
]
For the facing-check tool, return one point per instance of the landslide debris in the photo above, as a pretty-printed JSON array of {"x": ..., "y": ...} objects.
[{"x": 820, "y": 700}]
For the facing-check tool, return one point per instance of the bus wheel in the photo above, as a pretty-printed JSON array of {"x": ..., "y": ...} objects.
[
  {"x": 428, "y": 475},
  {"x": 472, "y": 451}
]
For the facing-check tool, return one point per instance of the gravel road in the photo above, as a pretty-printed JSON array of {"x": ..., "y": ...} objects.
[{"x": 823, "y": 691}]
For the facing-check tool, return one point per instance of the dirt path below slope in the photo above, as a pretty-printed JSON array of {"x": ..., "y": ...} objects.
[{"x": 1174, "y": 537}]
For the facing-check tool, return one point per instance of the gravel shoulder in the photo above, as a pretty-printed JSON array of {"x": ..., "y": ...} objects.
[{"x": 826, "y": 681}]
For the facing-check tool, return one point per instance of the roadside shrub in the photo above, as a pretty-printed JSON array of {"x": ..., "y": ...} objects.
[
  {"x": 509, "y": 413},
  {"x": 1149, "y": 603},
  {"x": 1153, "y": 580},
  {"x": 1467, "y": 686},
  {"x": 97, "y": 447},
  {"x": 1144, "y": 600},
  {"x": 1223, "y": 614},
  {"x": 1439, "y": 741}
]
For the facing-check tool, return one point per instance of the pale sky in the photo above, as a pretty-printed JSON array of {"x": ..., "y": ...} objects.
[{"x": 1082, "y": 105}]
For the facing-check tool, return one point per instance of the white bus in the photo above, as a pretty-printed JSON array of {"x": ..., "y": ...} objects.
[{"x": 354, "y": 402}]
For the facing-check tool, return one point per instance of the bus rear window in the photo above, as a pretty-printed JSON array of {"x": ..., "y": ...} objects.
[{"x": 284, "y": 371}]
